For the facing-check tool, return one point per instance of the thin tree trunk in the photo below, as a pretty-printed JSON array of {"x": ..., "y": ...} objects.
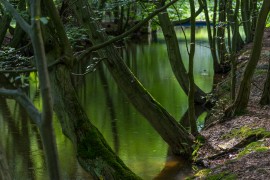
[
  {"x": 191, "y": 108},
  {"x": 210, "y": 37},
  {"x": 221, "y": 32},
  {"x": 233, "y": 52},
  {"x": 245, "y": 12},
  {"x": 46, "y": 129},
  {"x": 175, "y": 57},
  {"x": 265, "y": 99}
]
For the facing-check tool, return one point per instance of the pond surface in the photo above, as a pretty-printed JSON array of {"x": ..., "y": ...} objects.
[{"x": 128, "y": 133}]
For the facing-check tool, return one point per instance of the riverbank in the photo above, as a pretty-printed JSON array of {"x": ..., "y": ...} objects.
[{"x": 239, "y": 148}]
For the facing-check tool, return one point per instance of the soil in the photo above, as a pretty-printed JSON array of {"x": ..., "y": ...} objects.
[{"x": 217, "y": 155}]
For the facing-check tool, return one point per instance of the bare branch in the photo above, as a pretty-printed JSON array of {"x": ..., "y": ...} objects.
[{"x": 25, "y": 102}]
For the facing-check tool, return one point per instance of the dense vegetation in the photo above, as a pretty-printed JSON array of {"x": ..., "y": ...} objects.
[{"x": 54, "y": 37}]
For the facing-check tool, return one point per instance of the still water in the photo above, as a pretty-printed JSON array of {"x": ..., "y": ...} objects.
[{"x": 128, "y": 133}]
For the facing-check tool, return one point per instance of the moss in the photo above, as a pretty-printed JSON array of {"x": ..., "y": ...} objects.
[
  {"x": 207, "y": 174},
  {"x": 203, "y": 173},
  {"x": 93, "y": 148},
  {"x": 245, "y": 131},
  {"x": 223, "y": 175},
  {"x": 253, "y": 147}
]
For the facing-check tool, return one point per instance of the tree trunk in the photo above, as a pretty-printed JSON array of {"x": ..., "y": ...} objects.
[
  {"x": 210, "y": 37},
  {"x": 233, "y": 51},
  {"x": 173, "y": 133},
  {"x": 93, "y": 152},
  {"x": 242, "y": 98},
  {"x": 254, "y": 14},
  {"x": 46, "y": 129},
  {"x": 191, "y": 108},
  {"x": 246, "y": 18},
  {"x": 265, "y": 99},
  {"x": 221, "y": 32},
  {"x": 4, "y": 170},
  {"x": 175, "y": 57},
  {"x": 230, "y": 16},
  {"x": 4, "y": 24}
]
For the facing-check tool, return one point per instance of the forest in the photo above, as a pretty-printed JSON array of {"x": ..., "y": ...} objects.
[{"x": 134, "y": 89}]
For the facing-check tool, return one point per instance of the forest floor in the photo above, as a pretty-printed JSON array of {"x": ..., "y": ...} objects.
[{"x": 239, "y": 147}]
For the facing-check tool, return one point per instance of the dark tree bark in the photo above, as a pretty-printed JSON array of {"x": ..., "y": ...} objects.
[
  {"x": 191, "y": 107},
  {"x": 247, "y": 20},
  {"x": 221, "y": 45},
  {"x": 233, "y": 46}
]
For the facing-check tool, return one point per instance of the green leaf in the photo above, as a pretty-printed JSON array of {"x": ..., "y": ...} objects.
[{"x": 44, "y": 20}]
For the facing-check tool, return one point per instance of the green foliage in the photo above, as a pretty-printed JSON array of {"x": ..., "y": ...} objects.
[
  {"x": 200, "y": 140},
  {"x": 253, "y": 147},
  {"x": 77, "y": 36}
]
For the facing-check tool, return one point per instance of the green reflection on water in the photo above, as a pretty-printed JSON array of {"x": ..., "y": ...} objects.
[{"x": 139, "y": 146}]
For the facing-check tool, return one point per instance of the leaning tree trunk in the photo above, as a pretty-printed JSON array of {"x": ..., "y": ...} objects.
[
  {"x": 92, "y": 151},
  {"x": 241, "y": 102},
  {"x": 175, "y": 57},
  {"x": 173, "y": 133}
]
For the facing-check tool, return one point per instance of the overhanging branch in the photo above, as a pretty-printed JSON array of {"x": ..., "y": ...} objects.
[{"x": 24, "y": 101}]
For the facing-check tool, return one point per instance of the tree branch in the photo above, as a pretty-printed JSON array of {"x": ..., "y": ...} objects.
[
  {"x": 25, "y": 102},
  {"x": 131, "y": 30},
  {"x": 24, "y": 25}
]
